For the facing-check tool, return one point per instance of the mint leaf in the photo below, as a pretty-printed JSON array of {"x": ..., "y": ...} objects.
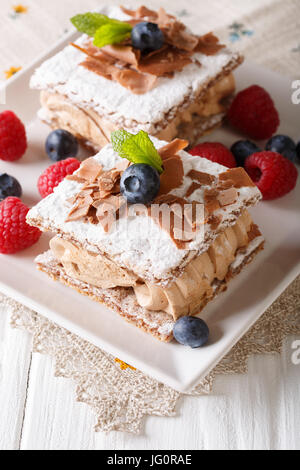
[
  {"x": 88, "y": 23},
  {"x": 112, "y": 33},
  {"x": 136, "y": 148},
  {"x": 105, "y": 30},
  {"x": 117, "y": 139}
]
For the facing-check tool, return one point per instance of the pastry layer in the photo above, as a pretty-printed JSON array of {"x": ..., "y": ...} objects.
[
  {"x": 205, "y": 113},
  {"x": 123, "y": 300},
  {"x": 152, "y": 111}
]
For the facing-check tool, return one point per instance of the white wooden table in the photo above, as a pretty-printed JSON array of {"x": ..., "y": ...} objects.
[{"x": 260, "y": 410}]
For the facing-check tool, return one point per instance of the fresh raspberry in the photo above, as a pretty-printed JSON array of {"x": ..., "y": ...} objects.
[
  {"x": 55, "y": 174},
  {"x": 13, "y": 140},
  {"x": 273, "y": 174},
  {"x": 215, "y": 152},
  {"x": 15, "y": 233},
  {"x": 253, "y": 112}
]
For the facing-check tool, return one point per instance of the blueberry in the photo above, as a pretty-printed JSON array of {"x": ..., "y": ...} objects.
[
  {"x": 284, "y": 145},
  {"x": 61, "y": 145},
  {"x": 191, "y": 331},
  {"x": 140, "y": 183},
  {"x": 242, "y": 149},
  {"x": 298, "y": 151},
  {"x": 147, "y": 37},
  {"x": 9, "y": 186}
]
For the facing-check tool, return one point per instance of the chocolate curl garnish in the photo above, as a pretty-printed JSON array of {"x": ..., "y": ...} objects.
[
  {"x": 100, "y": 191},
  {"x": 208, "y": 44},
  {"x": 137, "y": 83},
  {"x": 103, "y": 64},
  {"x": 173, "y": 174},
  {"x": 138, "y": 73},
  {"x": 172, "y": 148},
  {"x": 238, "y": 176},
  {"x": 177, "y": 36},
  {"x": 177, "y": 217},
  {"x": 107, "y": 211},
  {"x": 194, "y": 186},
  {"x": 201, "y": 177},
  {"x": 141, "y": 13},
  {"x": 89, "y": 170},
  {"x": 228, "y": 197},
  {"x": 165, "y": 62},
  {"x": 126, "y": 54}
]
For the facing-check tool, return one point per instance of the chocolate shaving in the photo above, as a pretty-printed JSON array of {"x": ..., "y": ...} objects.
[
  {"x": 141, "y": 12},
  {"x": 107, "y": 180},
  {"x": 172, "y": 176},
  {"x": 173, "y": 221},
  {"x": 77, "y": 212},
  {"x": 138, "y": 73},
  {"x": 202, "y": 178},
  {"x": 211, "y": 206},
  {"x": 172, "y": 148},
  {"x": 179, "y": 38},
  {"x": 165, "y": 62},
  {"x": 125, "y": 54},
  {"x": 137, "y": 83},
  {"x": 208, "y": 44},
  {"x": 76, "y": 178},
  {"x": 211, "y": 202},
  {"x": 107, "y": 211},
  {"x": 239, "y": 177},
  {"x": 89, "y": 170},
  {"x": 226, "y": 184},
  {"x": 210, "y": 194},
  {"x": 99, "y": 199},
  {"x": 194, "y": 186},
  {"x": 180, "y": 221},
  {"x": 227, "y": 197}
]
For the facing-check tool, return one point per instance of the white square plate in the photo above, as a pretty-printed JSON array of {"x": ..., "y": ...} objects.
[{"x": 229, "y": 316}]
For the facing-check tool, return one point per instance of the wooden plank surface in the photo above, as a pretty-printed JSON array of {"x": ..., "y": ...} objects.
[
  {"x": 15, "y": 359},
  {"x": 38, "y": 411}
]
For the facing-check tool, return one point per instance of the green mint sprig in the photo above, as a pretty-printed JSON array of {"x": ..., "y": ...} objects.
[
  {"x": 137, "y": 148},
  {"x": 103, "y": 29}
]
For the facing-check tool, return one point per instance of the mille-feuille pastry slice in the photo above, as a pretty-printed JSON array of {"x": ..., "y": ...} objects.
[
  {"x": 139, "y": 70},
  {"x": 155, "y": 239}
]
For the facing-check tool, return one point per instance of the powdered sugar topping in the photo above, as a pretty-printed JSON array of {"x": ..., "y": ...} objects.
[{"x": 62, "y": 74}]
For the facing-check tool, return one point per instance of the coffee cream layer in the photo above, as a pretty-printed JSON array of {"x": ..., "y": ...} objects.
[
  {"x": 58, "y": 111},
  {"x": 183, "y": 296}
]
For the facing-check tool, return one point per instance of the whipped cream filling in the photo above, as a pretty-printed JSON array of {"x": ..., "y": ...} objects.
[
  {"x": 86, "y": 124},
  {"x": 186, "y": 294}
]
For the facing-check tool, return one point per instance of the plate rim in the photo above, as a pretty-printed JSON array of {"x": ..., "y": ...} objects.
[{"x": 19, "y": 297}]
